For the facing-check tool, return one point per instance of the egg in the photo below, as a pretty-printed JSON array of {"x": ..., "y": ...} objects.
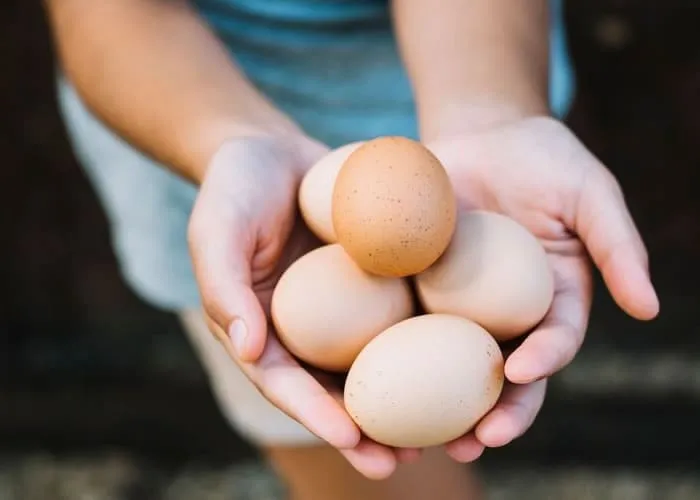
[
  {"x": 495, "y": 272},
  {"x": 424, "y": 381},
  {"x": 325, "y": 308},
  {"x": 316, "y": 192},
  {"x": 393, "y": 208}
]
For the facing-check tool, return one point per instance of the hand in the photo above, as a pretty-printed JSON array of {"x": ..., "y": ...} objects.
[
  {"x": 244, "y": 232},
  {"x": 537, "y": 172}
]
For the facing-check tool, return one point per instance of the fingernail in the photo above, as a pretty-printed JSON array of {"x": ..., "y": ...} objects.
[{"x": 238, "y": 332}]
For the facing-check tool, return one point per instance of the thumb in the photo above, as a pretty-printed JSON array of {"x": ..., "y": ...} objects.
[
  {"x": 221, "y": 249},
  {"x": 604, "y": 224}
]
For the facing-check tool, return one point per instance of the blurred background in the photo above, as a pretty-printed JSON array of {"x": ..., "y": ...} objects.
[{"x": 101, "y": 397}]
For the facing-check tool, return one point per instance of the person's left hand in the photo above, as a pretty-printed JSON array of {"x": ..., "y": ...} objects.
[{"x": 538, "y": 173}]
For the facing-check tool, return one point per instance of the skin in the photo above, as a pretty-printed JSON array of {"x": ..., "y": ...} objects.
[
  {"x": 129, "y": 69},
  {"x": 492, "y": 65},
  {"x": 483, "y": 110}
]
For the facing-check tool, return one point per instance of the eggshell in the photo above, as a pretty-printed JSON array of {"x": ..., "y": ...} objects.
[
  {"x": 424, "y": 381},
  {"x": 394, "y": 209},
  {"x": 325, "y": 308},
  {"x": 316, "y": 192},
  {"x": 495, "y": 272}
]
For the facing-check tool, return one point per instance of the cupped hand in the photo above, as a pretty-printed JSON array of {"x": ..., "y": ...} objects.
[
  {"x": 538, "y": 173},
  {"x": 244, "y": 232}
]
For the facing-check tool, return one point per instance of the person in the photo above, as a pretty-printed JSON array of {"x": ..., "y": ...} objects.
[{"x": 195, "y": 122}]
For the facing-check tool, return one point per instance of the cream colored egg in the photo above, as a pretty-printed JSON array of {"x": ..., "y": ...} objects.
[
  {"x": 495, "y": 272},
  {"x": 316, "y": 192},
  {"x": 325, "y": 308},
  {"x": 424, "y": 381}
]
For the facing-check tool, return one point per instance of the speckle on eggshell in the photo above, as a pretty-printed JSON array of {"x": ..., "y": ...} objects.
[
  {"x": 394, "y": 209},
  {"x": 424, "y": 381}
]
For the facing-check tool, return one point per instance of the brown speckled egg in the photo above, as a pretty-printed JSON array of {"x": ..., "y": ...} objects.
[
  {"x": 424, "y": 381},
  {"x": 394, "y": 209}
]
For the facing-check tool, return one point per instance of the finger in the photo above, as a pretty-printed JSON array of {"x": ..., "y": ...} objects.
[
  {"x": 372, "y": 460},
  {"x": 604, "y": 224},
  {"x": 513, "y": 414},
  {"x": 555, "y": 342},
  {"x": 221, "y": 250},
  {"x": 294, "y": 391},
  {"x": 287, "y": 385},
  {"x": 465, "y": 449},
  {"x": 371, "y": 456}
]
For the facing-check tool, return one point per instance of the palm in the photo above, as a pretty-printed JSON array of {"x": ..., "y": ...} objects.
[
  {"x": 538, "y": 173},
  {"x": 541, "y": 194},
  {"x": 570, "y": 265},
  {"x": 269, "y": 262},
  {"x": 244, "y": 233}
]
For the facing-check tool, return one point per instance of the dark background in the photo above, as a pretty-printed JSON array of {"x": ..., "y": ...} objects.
[{"x": 85, "y": 366}]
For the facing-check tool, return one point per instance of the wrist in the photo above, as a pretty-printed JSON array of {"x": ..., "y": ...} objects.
[
  {"x": 471, "y": 115},
  {"x": 209, "y": 140},
  {"x": 294, "y": 151}
]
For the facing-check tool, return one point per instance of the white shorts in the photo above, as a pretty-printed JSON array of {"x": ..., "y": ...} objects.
[
  {"x": 241, "y": 403},
  {"x": 148, "y": 208}
]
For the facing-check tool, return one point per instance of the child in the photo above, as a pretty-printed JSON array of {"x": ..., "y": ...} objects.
[{"x": 196, "y": 121}]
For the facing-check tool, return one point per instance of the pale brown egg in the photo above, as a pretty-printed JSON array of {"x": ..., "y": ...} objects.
[
  {"x": 495, "y": 272},
  {"x": 316, "y": 192},
  {"x": 424, "y": 381},
  {"x": 394, "y": 209},
  {"x": 325, "y": 308}
]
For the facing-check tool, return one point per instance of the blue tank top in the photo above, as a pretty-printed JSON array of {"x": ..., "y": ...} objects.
[{"x": 333, "y": 65}]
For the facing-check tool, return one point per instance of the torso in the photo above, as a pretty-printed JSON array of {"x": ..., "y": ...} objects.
[{"x": 331, "y": 64}]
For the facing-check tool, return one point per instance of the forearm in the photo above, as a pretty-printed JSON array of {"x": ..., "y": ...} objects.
[
  {"x": 153, "y": 71},
  {"x": 474, "y": 62}
]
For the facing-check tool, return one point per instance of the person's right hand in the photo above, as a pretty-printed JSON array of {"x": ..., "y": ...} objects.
[{"x": 244, "y": 232}]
